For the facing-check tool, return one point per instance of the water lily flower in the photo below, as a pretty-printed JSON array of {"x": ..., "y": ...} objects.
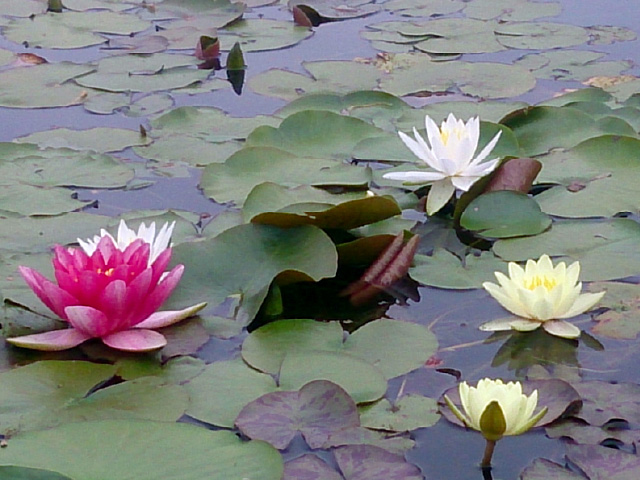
[
  {"x": 496, "y": 409},
  {"x": 450, "y": 153},
  {"x": 109, "y": 289},
  {"x": 541, "y": 295}
]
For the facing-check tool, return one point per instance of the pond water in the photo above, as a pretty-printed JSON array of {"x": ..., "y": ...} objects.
[{"x": 453, "y": 315}]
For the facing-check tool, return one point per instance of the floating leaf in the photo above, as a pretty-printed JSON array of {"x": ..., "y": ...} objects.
[
  {"x": 606, "y": 250},
  {"x": 21, "y": 473},
  {"x": 598, "y": 177},
  {"x": 367, "y": 462},
  {"x": 39, "y": 401},
  {"x": 408, "y": 413},
  {"x": 511, "y": 10},
  {"x": 223, "y": 389},
  {"x": 319, "y": 409},
  {"x": 604, "y": 401},
  {"x": 394, "y": 347},
  {"x": 622, "y": 300},
  {"x": 97, "y": 139},
  {"x": 444, "y": 269},
  {"x": 543, "y": 469},
  {"x": 251, "y": 166},
  {"x": 516, "y": 174},
  {"x": 264, "y": 251},
  {"x": 338, "y": 9},
  {"x": 308, "y": 466},
  {"x": 259, "y": 34},
  {"x": 503, "y": 214},
  {"x": 540, "y": 35},
  {"x": 579, "y": 65},
  {"x": 274, "y": 204},
  {"x": 136, "y": 450},
  {"x": 600, "y": 462},
  {"x": 361, "y": 380}
]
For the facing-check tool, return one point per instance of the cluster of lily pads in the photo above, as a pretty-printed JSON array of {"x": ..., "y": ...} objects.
[{"x": 314, "y": 199}]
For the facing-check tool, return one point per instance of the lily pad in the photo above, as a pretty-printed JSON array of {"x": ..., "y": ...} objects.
[
  {"x": 597, "y": 178},
  {"x": 137, "y": 450},
  {"x": 408, "y": 413},
  {"x": 273, "y": 204},
  {"x": 606, "y": 250},
  {"x": 622, "y": 301},
  {"x": 262, "y": 34},
  {"x": 308, "y": 466},
  {"x": 32, "y": 86},
  {"x": 21, "y": 473},
  {"x": 540, "y": 35},
  {"x": 37, "y": 401},
  {"x": 443, "y": 269},
  {"x": 30, "y": 200},
  {"x": 319, "y": 409},
  {"x": 361, "y": 380},
  {"x": 207, "y": 123},
  {"x": 504, "y": 214},
  {"x": 97, "y": 139},
  {"x": 393, "y": 346},
  {"x": 188, "y": 149},
  {"x": 338, "y": 9},
  {"x": 72, "y": 29},
  {"x": 305, "y": 252},
  {"x": 233, "y": 180},
  {"x": 223, "y": 389},
  {"x": 600, "y": 462},
  {"x": 367, "y": 462},
  {"x": 543, "y": 469},
  {"x": 571, "y": 65},
  {"x": 315, "y": 133},
  {"x": 604, "y": 401},
  {"x": 511, "y": 10}
]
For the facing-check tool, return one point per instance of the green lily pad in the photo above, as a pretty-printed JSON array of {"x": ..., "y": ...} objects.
[
  {"x": 140, "y": 450},
  {"x": 23, "y": 8},
  {"x": 481, "y": 79},
  {"x": 598, "y": 178},
  {"x": 443, "y": 269},
  {"x": 504, "y": 214},
  {"x": 423, "y": 8},
  {"x": 606, "y": 250},
  {"x": 132, "y": 73},
  {"x": 50, "y": 393},
  {"x": 408, "y": 413},
  {"x": 72, "y": 29},
  {"x": 223, "y": 389},
  {"x": 540, "y": 129},
  {"x": 262, "y": 34},
  {"x": 210, "y": 11},
  {"x": 31, "y": 87},
  {"x": 392, "y": 346},
  {"x": 233, "y": 180},
  {"x": 327, "y": 76},
  {"x": 25, "y": 164},
  {"x": 454, "y": 35},
  {"x": 571, "y": 65},
  {"x": 207, "y": 123},
  {"x": 315, "y": 133},
  {"x": 361, "y": 380},
  {"x": 540, "y": 35},
  {"x": 511, "y": 10},
  {"x": 339, "y": 9},
  {"x": 97, "y": 139},
  {"x": 277, "y": 205},
  {"x": 305, "y": 253},
  {"x": 21, "y": 473},
  {"x": 191, "y": 150},
  {"x": 30, "y": 200}
]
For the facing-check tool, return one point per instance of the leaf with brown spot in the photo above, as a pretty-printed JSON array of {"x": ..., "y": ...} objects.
[{"x": 516, "y": 174}]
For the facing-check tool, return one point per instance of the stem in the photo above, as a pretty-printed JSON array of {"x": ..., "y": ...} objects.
[
  {"x": 486, "y": 473},
  {"x": 488, "y": 453}
]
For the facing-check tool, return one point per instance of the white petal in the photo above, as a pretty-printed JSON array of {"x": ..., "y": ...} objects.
[
  {"x": 464, "y": 183},
  {"x": 499, "y": 325},
  {"x": 525, "y": 325},
  {"x": 487, "y": 149},
  {"x": 414, "y": 176},
  {"x": 439, "y": 194},
  {"x": 561, "y": 328},
  {"x": 415, "y": 147},
  {"x": 583, "y": 303}
]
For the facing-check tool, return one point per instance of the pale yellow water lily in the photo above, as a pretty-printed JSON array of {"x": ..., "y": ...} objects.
[
  {"x": 496, "y": 409},
  {"x": 450, "y": 153},
  {"x": 541, "y": 295}
]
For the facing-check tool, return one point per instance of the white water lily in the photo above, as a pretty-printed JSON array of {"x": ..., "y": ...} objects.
[
  {"x": 450, "y": 153},
  {"x": 541, "y": 295},
  {"x": 496, "y": 409},
  {"x": 126, "y": 236}
]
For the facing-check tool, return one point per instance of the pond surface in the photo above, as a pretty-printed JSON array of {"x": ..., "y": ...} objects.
[{"x": 227, "y": 228}]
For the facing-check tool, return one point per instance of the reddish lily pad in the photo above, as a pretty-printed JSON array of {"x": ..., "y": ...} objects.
[
  {"x": 601, "y": 463},
  {"x": 604, "y": 401},
  {"x": 309, "y": 467},
  {"x": 367, "y": 462},
  {"x": 543, "y": 469},
  {"x": 622, "y": 302},
  {"x": 317, "y": 410}
]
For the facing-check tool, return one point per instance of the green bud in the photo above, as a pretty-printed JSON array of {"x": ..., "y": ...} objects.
[{"x": 492, "y": 422}]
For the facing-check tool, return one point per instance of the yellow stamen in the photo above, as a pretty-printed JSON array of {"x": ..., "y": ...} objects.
[
  {"x": 535, "y": 282},
  {"x": 106, "y": 273}
]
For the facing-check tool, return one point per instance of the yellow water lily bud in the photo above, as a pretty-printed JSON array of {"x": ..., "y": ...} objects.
[{"x": 496, "y": 409}]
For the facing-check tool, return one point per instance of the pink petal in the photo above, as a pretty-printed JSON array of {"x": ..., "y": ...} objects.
[
  {"x": 162, "y": 291},
  {"x": 112, "y": 304},
  {"x": 164, "y": 319},
  {"x": 89, "y": 320},
  {"x": 135, "y": 340},
  {"x": 51, "y": 341}
]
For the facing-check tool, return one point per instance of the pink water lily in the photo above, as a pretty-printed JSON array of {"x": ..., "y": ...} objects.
[{"x": 109, "y": 293}]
